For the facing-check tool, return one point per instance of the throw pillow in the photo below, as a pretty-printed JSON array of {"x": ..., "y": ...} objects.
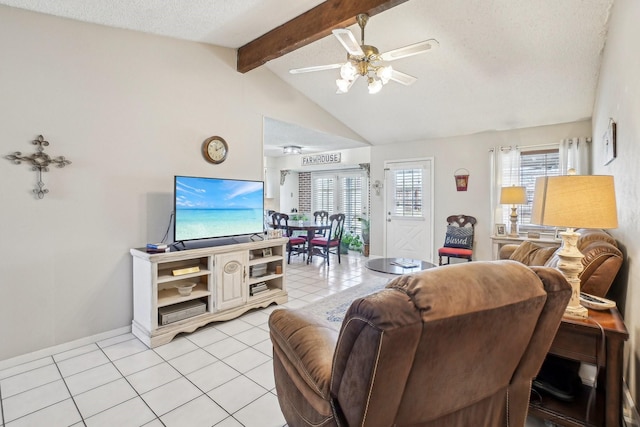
[
  {"x": 531, "y": 254},
  {"x": 458, "y": 237}
]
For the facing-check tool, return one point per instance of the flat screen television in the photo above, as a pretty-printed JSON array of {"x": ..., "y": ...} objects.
[{"x": 208, "y": 208}]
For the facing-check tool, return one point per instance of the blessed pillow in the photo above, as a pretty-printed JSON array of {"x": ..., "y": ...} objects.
[{"x": 458, "y": 237}]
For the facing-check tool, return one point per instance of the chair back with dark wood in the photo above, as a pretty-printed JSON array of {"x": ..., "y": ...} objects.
[
  {"x": 280, "y": 220},
  {"x": 321, "y": 217},
  {"x": 328, "y": 244},
  {"x": 458, "y": 242},
  {"x": 296, "y": 244}
]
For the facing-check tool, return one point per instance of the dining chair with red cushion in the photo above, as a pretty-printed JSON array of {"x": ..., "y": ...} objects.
[
  {"x": 328, "y": 245},
  {"x": 296, "y": 244}
]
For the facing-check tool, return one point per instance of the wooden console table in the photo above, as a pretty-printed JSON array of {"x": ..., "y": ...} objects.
[{"x": 582, "y": 340}]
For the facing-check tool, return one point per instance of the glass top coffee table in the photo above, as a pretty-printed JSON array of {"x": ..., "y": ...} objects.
[{"x": 397, "y": 265}]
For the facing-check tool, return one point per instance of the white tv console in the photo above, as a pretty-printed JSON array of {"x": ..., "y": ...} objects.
[{"x": 222, "y": 283}]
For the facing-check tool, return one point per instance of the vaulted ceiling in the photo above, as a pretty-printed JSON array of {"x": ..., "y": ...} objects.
[{"x": 501, "y": 64}]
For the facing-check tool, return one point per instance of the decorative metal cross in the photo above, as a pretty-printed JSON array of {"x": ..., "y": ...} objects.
[{"x": 40, "y": 162}]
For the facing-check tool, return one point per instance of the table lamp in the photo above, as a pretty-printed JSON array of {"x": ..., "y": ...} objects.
[
  {"x": 513, "y": 196},
  {"x": 574, "y": 201}
]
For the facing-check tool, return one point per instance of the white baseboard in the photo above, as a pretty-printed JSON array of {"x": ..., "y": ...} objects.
[{"x": 60, "y": 348}]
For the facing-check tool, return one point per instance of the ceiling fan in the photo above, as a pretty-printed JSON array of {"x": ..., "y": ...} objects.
[{"x": 366, "y": 61}]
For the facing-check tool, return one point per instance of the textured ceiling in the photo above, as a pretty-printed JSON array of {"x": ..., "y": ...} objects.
[
  {"x": 228, "y": 23},
  {"x": 501, "y": 64}
]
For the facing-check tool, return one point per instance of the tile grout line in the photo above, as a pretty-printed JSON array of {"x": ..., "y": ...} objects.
[
  {"x": 321, "y": 283},
  {"x": 69, "y": 390},
  {"x": 130, "y": 385},
  {"x": 240, "y": 374}
]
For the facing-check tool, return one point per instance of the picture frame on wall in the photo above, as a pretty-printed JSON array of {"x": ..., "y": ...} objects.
[
  {"x": 501, "y": 230},
  {"x": 609, "y": 142}
]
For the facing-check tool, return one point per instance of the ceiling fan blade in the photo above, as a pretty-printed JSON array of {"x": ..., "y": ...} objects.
[
  {"x": 410, "y": 50},
  {"x": 314, "y": 68},
  {"x": 402, "y": 78},
  {"x": 347, "y": 39}
]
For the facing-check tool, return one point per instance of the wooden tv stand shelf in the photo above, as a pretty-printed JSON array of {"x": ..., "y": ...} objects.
[
  {"x": 582, "y": 340},
  {"x": 229, "y": 280}
]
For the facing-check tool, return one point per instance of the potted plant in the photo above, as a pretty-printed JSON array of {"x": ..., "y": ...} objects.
[
  {"x": 347, "y": 238},
  {"x": 365, "y": 234},
  {"x": 356, "y": 243}
]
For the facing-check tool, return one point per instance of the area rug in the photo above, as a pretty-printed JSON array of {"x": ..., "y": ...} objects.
[{"x": 334, "y": 307}]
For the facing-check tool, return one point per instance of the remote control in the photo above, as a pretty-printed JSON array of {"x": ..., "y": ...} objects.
[{"x": 596, "y": 303}]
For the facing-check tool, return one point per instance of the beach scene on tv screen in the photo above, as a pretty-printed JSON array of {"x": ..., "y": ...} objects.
[{"x": 207, "y": 208}]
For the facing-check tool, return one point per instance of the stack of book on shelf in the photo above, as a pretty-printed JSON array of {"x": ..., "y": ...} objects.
[
  {"x": 156, "y": 248},
  {"x": 257, "y": 288}
]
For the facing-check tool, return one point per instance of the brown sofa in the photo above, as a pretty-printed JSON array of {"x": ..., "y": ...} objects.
[
  {"x": 456, "y": 345},
  {"x": 601, "y": 262}
]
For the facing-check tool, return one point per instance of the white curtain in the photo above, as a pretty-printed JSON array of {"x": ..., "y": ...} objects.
[
  {"x": 575, "y": 153},
  {"x": 505, "y": 169}
]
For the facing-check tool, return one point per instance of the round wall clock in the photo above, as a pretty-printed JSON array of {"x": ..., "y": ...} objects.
[{"x": 215, "y": 149}]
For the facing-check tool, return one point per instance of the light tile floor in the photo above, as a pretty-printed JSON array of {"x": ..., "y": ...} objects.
[{"x": 221, "y": 375}]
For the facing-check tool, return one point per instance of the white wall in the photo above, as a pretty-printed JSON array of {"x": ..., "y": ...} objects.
[
  {"x": 618, "y": 97},
  {"x": 130, "y": 111},
  {"x": 289, "y": 193},
  {"x": 472, "y": 153}
]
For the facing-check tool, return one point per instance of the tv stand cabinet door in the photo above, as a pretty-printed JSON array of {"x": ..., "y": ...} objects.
[{"x": 231, "y": 279}]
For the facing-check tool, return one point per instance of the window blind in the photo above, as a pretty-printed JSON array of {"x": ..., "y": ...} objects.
[
  {"x": 352, "y": 202},
  {"x": 323, "y": 194},
  {"x": 531, "y": 165},
  {"x": 408, "y": 192}
]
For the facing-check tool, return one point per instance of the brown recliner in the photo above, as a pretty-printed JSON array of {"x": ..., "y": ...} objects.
[
  {"x": 602, "y": 259},
  {"x": 456, "y": 345}
]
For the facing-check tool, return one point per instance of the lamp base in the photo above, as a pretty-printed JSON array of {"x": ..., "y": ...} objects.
[
  {"x": 570, "y": 265},
  {"x": 513, "y": 232},
  {"x": 576, "y": 312}
]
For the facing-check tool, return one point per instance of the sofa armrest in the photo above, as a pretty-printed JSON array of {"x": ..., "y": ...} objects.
[
  {"x": 601, "y": 262},
  {"x": 305, "y": 346}
]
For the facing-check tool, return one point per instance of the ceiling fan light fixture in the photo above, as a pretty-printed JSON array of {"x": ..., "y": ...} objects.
[
  {"x": 384, "y": 73},
  {"x": 292, "y": 149},
  {"x": 343, "y": 85},
  {"x": 375, "y": 85},
  {"x": 366, "y": 61},
  {"x": 348, "y": 71}
]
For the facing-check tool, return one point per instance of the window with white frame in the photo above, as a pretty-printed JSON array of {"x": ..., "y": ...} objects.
[
  {"x": 523, "y": 171},
  {"x": 343, "y": 192},
  {"x": 407, "y": 200}
]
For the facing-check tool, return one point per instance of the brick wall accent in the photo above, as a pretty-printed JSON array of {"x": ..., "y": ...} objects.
[{"x": 304, "y": 192}]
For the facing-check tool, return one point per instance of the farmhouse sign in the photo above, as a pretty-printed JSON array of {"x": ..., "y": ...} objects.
[{"x": 321, "y": 159}]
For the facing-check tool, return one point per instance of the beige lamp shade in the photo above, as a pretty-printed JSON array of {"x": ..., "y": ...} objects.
[
  {"x": 513, "y": 195},
  {"x": 575, "y": 201}
]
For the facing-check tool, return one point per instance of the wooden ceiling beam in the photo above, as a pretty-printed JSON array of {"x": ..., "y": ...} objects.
[{"x": 307, "y": 28}]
